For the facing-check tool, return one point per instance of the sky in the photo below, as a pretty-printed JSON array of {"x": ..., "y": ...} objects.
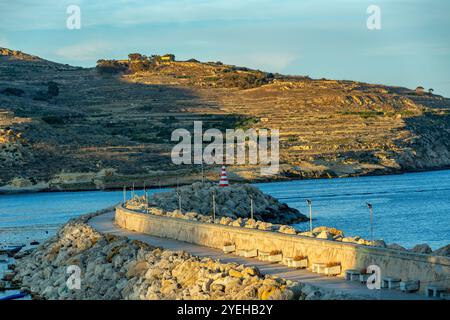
[{"x": 322, "y": 39}]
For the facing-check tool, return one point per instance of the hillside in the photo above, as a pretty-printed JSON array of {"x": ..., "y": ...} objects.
[{"x": 70, "y": 128}]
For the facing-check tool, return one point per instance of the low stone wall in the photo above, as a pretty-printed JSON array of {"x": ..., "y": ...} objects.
[{"x": 393, "y": 263}]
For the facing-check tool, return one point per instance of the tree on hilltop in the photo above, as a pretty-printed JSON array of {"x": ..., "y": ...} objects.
[{"x": 135, "y": 57}]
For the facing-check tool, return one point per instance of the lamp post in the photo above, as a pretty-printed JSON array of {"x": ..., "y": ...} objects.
[
  {"x": 146, "y": 201},
  {"x": 214, "y": 206},
  {"x": 251, "y": 207},
  {"x": 309, "y": 202},
  {"x": 369, "y": 205},
  {"x": 145, "y": 192},
  {"x": 179, "y": 201},
  {"x": 203, "y": 174},
  {"x": 124, "y": 195}
]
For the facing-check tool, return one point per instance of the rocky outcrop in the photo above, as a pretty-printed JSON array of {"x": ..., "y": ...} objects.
[
  {"x": 232, "y": 202},
  {"x": 444, "y": 251},
  {"x": 422, "y": 248},
  {"x": 16, "y": 54},
  {"x": 396, "y": 246}
]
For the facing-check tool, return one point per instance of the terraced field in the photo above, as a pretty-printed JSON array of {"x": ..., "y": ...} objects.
[{"x": 101, "y": 131}]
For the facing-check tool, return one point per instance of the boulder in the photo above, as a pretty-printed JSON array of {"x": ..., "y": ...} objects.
[
  {"x": 332, "y": 231},
  {"x": 325, "y": 235},
  {"x": 444, "y": 251},
  {"x": 422, "y": 248},
  {"x": 119, "y": 268},
  {"x": 287, "y": 229},
  {"x": 235, "y": 273},
  {"x": 137, "y": 269},
  {"x": 396, "y": 246},
  {"x": 232, "y": 201},
  {"x": 378, "y": 243},
  {"x": 268, "y": 292}
]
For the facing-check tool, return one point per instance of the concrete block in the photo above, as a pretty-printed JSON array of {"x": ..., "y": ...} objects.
[
  {"x": 275, "y": 258},
  {"x": 229, "y": 248},
  {"x": 409, "y": 285},
  {"x": 318, "y": 267},
  {"x": 250, "y": 253},
  {"x": 435, "y": 291},
  {"x": 390, "y": 283},
  {"x": 364, "y": 277},
  {"x": 287, "y": 261},
  {"x": 333, "y": 271},
  {"x": 303, "y": 264},
  {"x": 263, "y": 255},
  {"x": 352, "y": 275}
]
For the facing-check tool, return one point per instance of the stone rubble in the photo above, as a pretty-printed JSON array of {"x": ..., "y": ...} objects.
[
  {"x": 114, "y": 267},
  {"x": 232, "y": 201}
]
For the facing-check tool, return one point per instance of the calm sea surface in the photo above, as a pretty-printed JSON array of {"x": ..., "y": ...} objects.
[{"x": 408, "y": 209}]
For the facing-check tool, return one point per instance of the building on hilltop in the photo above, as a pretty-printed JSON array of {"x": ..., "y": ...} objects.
[
  {"x": 168, "y": 58},
  {"x": 420, "y": 90}
]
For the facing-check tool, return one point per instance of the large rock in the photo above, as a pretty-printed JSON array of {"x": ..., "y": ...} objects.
[
  {"x": 422, "y": 248},
  {"x": 444, "y": 251},
  {"x": 232, "y": 201},
  {"x": 332, "y": 231},
  {"x": 396, "y": 246},
  {"x": 325, "y": 235}
]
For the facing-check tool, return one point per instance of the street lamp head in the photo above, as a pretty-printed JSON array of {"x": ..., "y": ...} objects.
[
  {"x": 369, "y": 205},
  {"x": 309, "y": 202}
]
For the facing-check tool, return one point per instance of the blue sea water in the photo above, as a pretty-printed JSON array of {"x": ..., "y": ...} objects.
[{"x": 409, "y": 209}]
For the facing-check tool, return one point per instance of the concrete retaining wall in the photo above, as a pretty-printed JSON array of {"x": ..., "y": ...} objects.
[{"x": 404, "y": 265}]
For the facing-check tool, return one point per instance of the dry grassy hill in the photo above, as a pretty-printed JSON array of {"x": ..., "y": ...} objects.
[{"x": 68, "y": 128}]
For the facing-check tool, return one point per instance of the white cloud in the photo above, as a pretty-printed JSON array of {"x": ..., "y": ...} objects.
[{"x": 85, "y": 51}]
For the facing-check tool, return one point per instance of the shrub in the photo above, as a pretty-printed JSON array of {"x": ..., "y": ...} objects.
[
  {"x": 110, "y": 67},
  {"x": 333, "y": 264},
  {"x": 52, "y": 120},
  {"x": 135, "y": 56},
  {"x": 299, "y": 258},
  {"x": 52, "y": 89},
  {"x": 275, "y": 252},
  {"x": 227, "y": 243},
  {"x": 13, "y": 92},
  {"x": 41, "y": 96}
]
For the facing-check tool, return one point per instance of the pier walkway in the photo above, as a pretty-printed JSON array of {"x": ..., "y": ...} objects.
[{"x": 105, "y": 224}]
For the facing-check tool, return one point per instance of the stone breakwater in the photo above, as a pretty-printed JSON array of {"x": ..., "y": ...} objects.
[
  {"x": 326, "y": 233},
  {"x": 232, "y": 202},
  {"x": 115, "y": 267},
  {"x": 233, "y": 209},
  {"x": 321, "y": 232}
]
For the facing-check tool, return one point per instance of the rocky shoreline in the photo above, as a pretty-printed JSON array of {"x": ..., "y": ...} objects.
[
  {"x": 115, "y": 267},
  {"x": 74, "y": 186}
]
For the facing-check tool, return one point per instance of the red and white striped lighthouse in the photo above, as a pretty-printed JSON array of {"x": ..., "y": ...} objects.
[{"x": 223, "y": 178}]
